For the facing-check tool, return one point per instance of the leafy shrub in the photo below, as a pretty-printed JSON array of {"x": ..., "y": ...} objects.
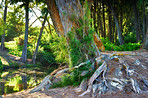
[
  {"x": 59, "y": 49},
  {"x": 126, "y": 47},
  {"x": 130, "y": 37},
  {"x": 45, "y": 58},
  {"x": 75, "y": 78},
  {"x": 15, "y": 82},
  {"x": 1, "y": 66}
]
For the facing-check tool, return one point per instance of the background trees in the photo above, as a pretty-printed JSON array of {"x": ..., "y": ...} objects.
[
  {"x": 118, "y": 23},
  {"x": 74, "y": 29}
]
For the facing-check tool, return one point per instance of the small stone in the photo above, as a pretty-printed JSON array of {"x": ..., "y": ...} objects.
[{"x": 84, "y": 73}]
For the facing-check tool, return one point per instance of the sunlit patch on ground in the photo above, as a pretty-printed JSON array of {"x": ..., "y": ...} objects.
[{"x": 4, "y": 61}]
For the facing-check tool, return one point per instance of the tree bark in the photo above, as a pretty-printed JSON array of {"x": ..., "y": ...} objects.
[
  {"x": 145, "y": 43},
  {"x": 24, "y": 52},
  {"x": 144, "y": 21},
  {"x": 110, "y": 25},
  {"x": 70, "y": 13},
  {"x": 99, "y": 19},
  {"x": 104, "y": 33},
  {"x": 121, "y": 20},
  {"x": 54, "y": 14},
  {"x": 38, "y": 42},
  {"x": 94, "y": 18},
  {"x": 49, "y": 26},
  {"x": 136, "y": 21},
  {"x": 121, "y": 41},
  {"x": 113, "y": 29},
  {"x": 4, "y": 28}
]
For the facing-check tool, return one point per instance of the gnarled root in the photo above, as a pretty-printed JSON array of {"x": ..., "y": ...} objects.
[
  {"x": 45, "y": 82},
  {"x": 114, "y": 78}
]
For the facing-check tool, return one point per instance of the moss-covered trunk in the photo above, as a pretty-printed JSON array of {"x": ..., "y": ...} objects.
[{"x": 75, "y": 23}]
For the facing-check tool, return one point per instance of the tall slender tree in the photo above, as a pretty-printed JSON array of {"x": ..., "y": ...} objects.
[
  {"x": 24, "y": 52},
  {"x": 104, "y": 33},
  {"x": 4, "y": 26},
  {"x": 136, "y": 20},
  {"x": 121, "y": 41},
  {"x": 38, "y": 42},
  {"x": 144, "y": 21},
  {"x": 26, "y": 5}
]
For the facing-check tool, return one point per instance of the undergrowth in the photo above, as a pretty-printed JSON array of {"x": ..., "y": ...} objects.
[
  {"x": 75, "y": 78},
  {"x": 125, "y": 47}
]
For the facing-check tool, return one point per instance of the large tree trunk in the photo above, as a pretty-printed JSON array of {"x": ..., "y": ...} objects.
[
  {"x": 3, "y": 36},
  {"x": 121, "y": 41},
  {"x": 70, "y": 13},
  {"x": 136, "y": 21},
  {"x": 24, "y": 52},
  {"x": 38, "y": 42},
  {"x": 54, "y": 14}
]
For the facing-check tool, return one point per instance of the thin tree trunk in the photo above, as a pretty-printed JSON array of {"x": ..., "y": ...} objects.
[
  {"x": 121, "y": 20},
  {"x": 33, "y": 23},
  {"x": 144, "y": 21},
  {"x": 39, "y": 19},
  {"x": 24, "y": 52},
  {"x": 113, "y": 29},
  {"x": 104, "y": 33},
  {"x": 98, "y": 28},
  {"x": 121, "y": 41},
  {"x": 94, "y": 18},
  {"x": 136, "y": 22},
  {"x": 4, "y": 27},
  {"x": 110, "y": 25},
  {"x": 100, "y": 21},
  {"x": 38, "y": 42},
  {"x": 49, "y": 27},
  {"x": 145, "y": 43}
]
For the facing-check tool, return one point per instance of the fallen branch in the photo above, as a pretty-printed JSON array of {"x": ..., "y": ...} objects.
[
  {"x": 45, "y": 81},
  {"x": 94, "y": 76}
]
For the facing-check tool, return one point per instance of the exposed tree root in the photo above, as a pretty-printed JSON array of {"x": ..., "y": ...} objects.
[
  {"x": 107, "y": 77},
  {"x": 47, "y": 81}
]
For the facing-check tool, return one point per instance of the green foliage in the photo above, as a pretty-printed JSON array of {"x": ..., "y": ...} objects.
[
  {"x": 15, "y": 23},
  {"x": 79, "y": 48},
  {"x": 60, "y": 49},
  {"x": 130, "y": 37},
  {"x": 55, "y": 48},
  {"x": 15, "y": 82},
  {"x": 126, "y": 47},
  {"x": 1, "y": 66},
  {"x": 75, "y": 78},
  {"x": 81, "y": 40},
  {"x": 14, "y": 49},
  {"x": 45, "y": 58}
]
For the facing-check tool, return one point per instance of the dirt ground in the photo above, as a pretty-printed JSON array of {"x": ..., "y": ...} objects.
[{"x": 69, "y": 92}]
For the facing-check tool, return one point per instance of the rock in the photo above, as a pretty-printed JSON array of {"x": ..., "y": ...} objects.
[
  {"x": 55, "y": 80},
  {"x": 84, "y": 73},
  {"x": 82, "y": 87}
]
